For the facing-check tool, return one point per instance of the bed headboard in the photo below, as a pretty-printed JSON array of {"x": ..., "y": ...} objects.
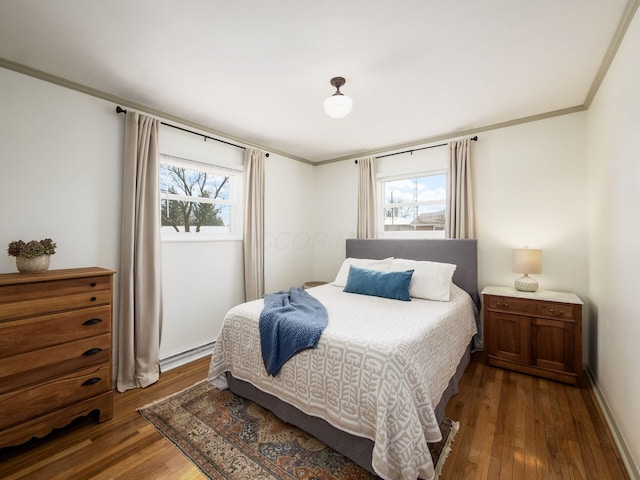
[{"x": 463, "y": 253}]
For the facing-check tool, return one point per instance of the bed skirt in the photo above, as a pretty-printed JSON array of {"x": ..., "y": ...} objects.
[{"x": 358, "y": 449}]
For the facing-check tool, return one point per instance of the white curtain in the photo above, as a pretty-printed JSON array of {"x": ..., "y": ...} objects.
[
  {"x": 367, "y": 218},
  {"x": 140, "y": 318},
  {"x": 254, "y": 161},
  {"x": 460, "y": 221}
]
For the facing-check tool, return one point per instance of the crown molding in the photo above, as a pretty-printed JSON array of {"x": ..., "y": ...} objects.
[
  {"x": 618, "y": 36},
  {"x": 128, "y": 104},
  {"x": 455, "y": 134}
]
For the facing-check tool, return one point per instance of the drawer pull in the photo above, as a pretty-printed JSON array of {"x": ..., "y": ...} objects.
[
  {"x": 92, "y": 321},
  {"x": 93, "y": 299},
  {"x": 92, "y": 351},
  {"x": 93, "y": 284},
  {"x": 91, "y": 381},
  {"x": 502, "y": 304}
]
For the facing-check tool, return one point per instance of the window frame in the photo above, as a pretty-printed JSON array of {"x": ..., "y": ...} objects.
[
  {"x": 382, "y": 205},
  {"x": 236, "y": 182}
]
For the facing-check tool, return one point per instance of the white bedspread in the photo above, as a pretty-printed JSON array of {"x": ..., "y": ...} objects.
[{"x": 378, "y": 371}]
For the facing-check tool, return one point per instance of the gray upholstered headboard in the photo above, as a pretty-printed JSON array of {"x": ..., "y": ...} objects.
[{"x": 463, "y": 253}]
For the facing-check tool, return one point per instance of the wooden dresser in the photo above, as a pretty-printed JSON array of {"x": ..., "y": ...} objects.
[
  {"x": 539, "y": 333},
  {"x": 55, "y": 350}
]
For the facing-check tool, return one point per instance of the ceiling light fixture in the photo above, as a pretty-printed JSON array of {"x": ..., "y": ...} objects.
[{"x": 338, "y": 105}]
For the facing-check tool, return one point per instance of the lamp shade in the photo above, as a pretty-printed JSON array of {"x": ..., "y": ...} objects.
[
  {"x": 527, "y": 260},
  {"x": 338, "y": 105}
]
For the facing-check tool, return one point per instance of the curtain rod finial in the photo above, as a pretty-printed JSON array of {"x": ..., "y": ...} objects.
[{"x": 119, "y": 109}]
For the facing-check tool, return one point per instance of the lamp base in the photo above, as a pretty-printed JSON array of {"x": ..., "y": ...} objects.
[{"x": 526, "y": 284}]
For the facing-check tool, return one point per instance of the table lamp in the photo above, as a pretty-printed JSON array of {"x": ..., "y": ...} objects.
[{"x": 527, "y": 260}]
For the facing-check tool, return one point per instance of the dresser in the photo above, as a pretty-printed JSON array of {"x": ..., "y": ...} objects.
[
  {"x": 539, "y": 333},
  {"x": 55, "y": 350}
]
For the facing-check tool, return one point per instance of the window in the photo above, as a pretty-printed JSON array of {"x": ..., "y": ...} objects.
[
  {"x": 199, "y": 201},
  {"x": 414, "y": 205}
]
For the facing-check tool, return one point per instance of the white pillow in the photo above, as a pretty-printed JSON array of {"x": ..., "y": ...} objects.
[
  {"x": 431, "y": 280},
  {"x": 343, "y": 273}
]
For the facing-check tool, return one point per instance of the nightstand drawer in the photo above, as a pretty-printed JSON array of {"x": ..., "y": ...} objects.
[
  {"x": 512, "y": 305},
  {"x": 556, "y": 310}
]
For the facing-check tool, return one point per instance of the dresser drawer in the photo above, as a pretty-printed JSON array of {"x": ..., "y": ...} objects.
[
  {"x": 24, "y": 404},
  {"x": 54, "y": 288},
  {"x": 28, "y": 334},
  {"x": 42, "y": 365},
  {"x": 54, "y": 304}
]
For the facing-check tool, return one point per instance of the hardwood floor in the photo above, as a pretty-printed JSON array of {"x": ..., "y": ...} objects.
[
  {"x": 515, "y": 426},
  {"x": 512, "y": 426}
]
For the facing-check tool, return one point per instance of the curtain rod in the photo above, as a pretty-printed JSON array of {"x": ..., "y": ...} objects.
[
  {"x": 119, "y": 109},
  {"x": 473, "y": 139}
]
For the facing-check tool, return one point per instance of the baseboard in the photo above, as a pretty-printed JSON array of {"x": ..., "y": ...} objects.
[
  {"x": 178, "y": 359},
  {"x": 627, "y": 459}
]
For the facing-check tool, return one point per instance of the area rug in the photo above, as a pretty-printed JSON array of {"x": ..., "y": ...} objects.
[{"x": 228, "y": 437}]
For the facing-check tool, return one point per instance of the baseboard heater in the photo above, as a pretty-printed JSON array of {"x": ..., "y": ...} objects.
[{"x": 178, "y": 359}]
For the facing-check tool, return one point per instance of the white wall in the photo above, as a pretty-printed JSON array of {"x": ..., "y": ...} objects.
[
  {"x": 614, "y": 235},
  {"x": 60, "y": 157},
  {"x": 201, "y": 281},
  {"x": 290, "y": 197},
  {"x": 531, "y": 189},
  {"x": 530, "y": 183},
  {"x": 336, "y": 214}
]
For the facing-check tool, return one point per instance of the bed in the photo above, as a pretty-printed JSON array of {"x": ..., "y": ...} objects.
[{"x": 372, "y": 391}]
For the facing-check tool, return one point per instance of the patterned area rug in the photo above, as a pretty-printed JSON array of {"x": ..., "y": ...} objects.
[{"x": 229, "y": 437}]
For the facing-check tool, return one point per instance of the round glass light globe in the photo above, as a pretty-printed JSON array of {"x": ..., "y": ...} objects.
[{"x": 338, "y": 106}]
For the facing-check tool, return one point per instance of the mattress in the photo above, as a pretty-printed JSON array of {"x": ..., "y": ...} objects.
[{"x": 378, "y": 371}]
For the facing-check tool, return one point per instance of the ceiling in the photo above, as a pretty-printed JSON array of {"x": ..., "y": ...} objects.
[{"x": 258, "y": 71}]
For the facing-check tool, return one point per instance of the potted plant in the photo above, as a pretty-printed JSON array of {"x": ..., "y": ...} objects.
[{"x": 33, "y": 256}]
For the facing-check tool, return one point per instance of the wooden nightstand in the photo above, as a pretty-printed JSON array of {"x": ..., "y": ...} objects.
[
  {"x": 539, "y": 333},
  {"x": 312, "y": 284}
]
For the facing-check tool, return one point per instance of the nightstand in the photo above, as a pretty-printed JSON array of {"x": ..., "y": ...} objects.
[
  {"x": 312, "y": 284},
  {"x": 539, "y": 333}
]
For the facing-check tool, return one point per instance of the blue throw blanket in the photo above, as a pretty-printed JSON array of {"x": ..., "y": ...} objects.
[{"x": 290, "y": 321}]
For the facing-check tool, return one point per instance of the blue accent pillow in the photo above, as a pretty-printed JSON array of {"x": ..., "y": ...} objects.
[{"x": 379, "y": 284}]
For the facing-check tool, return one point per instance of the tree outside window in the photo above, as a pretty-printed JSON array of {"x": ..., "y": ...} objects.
[{"x": 196, "y": 201}]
